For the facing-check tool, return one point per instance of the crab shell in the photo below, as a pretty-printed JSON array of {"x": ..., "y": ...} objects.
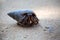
[{"x": 24, "y": 17}]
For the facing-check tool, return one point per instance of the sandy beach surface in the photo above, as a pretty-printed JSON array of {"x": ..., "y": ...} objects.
[{"x": 48, "y": 13}]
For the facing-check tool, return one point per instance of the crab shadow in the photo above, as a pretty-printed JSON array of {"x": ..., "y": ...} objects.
[{"x": 31, "y": 26}]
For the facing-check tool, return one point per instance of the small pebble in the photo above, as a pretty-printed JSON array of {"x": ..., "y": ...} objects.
[
  {"x": 25, "y": 37},
  {"x": 2, "y": 31},
  {"x": 47, "y": 27}
]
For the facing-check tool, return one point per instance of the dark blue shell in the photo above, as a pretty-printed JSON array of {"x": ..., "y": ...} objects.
[{"x": 17, "y": 15}]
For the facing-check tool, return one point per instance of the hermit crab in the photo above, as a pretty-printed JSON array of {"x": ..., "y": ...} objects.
[{"x": 24, "y": 17}]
